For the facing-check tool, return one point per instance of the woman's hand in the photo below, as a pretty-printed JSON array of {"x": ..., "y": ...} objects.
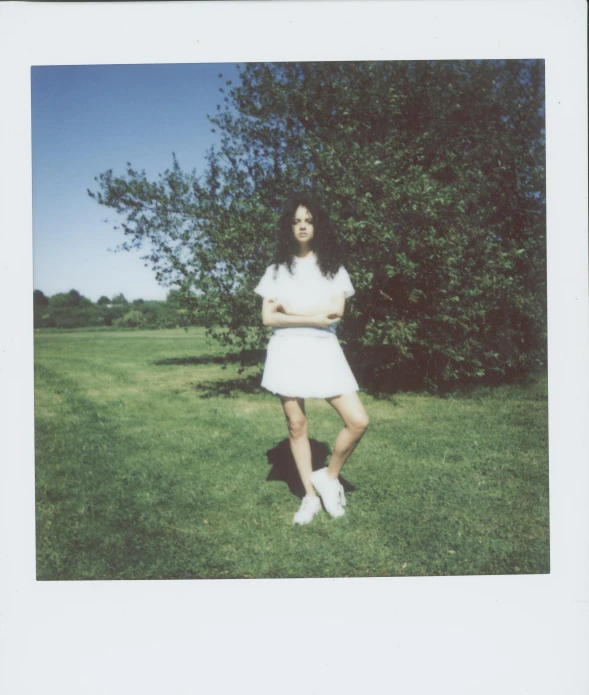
[
  {"x": 274, "y": 314},
  {"x": 324, "y": 321},
  {"x": 284, "y": 306},
  {"x": 278, "y": 305}
]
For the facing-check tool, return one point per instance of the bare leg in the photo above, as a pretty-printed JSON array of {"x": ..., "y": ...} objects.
[
  {"x": 294, "y": 410},
  {"x": 350, "y": 408}
]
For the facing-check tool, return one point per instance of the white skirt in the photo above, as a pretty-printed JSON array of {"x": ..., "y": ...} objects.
[{"x": 307, "y": 367}]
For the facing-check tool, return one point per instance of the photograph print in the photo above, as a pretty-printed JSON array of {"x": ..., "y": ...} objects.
[{"x": 290, "y": 320}]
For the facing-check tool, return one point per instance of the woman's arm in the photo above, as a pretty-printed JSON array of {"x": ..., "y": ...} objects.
[
  {"x": 272, "y": 316},
  {"x": 334, "y": 309}
]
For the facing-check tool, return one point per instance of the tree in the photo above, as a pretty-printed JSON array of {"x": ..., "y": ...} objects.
[
  {"x": 132, "y": 319},
  {"x": 103, "y": 301},
  {"x": 174, "y": 297},
  {"x": 119, "y": 299},
  {"x": 40, "y": 299},
  {"x": 71, "y": 310},
  {"x": 75, "y": 298},
  {"x": 184, "y": 306},
  {"x": 40, "y": 302},
  {"x": 434, "y": 176}
]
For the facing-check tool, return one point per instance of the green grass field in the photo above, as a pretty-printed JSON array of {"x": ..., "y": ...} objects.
[{"x": 152, "y": 462}]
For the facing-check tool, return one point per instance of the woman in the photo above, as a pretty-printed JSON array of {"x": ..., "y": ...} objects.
[{"x": 304, "y": 295}]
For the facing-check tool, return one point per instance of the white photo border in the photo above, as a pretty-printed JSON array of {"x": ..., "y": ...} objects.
[{"x": 507, "y": 634}]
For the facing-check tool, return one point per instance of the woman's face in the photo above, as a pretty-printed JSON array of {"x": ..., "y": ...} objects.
[{"x": 302, "y": 226}]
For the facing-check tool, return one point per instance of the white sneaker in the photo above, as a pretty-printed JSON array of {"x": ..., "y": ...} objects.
[
  {"x": 310, "y": 506},
  {"x": 331, "y": 491}
]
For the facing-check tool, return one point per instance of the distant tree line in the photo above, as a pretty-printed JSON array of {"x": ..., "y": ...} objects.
[{"x": 73, "y": 310}]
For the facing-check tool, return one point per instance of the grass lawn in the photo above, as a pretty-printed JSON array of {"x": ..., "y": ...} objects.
[{"x": 153, "y": 461}]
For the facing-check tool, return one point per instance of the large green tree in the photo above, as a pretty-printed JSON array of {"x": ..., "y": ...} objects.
[{"x": 434, "y": 176}]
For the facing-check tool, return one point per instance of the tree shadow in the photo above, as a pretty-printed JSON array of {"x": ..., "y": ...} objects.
[
  {"x": 283, "y": 467},
  {"x": 223, "y": 388},
  {"x": 246, "y": 358},
  {"x": 229, "y": 388}
]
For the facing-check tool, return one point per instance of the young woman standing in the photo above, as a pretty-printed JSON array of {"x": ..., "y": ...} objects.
[{"x": 304, "y": 295}]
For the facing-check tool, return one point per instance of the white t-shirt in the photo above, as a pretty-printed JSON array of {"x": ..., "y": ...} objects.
[{"x": 303, "y": 290}]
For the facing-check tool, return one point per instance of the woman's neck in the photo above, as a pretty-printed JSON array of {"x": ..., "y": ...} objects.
[{"x": 304, "y": 252}]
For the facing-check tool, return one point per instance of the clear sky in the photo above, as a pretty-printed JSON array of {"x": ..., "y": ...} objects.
[{"x": 86, "y": 119}]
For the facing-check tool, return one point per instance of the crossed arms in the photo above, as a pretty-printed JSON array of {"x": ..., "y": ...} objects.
[{"x": 278, "y": 314}]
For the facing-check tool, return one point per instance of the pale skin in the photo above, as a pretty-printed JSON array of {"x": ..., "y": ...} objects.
[{"x": 277, "y": 313}]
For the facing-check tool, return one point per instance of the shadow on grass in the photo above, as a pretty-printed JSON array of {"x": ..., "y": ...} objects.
[
  {"x": 223, "y": 388},
  {"x": 246, "y": 358},
  {"x": 229, "y": 388},
  {"x": 283, "y": 467}
]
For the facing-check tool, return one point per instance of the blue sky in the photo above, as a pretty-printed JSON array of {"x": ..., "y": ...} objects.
[{"x": 86, "y": 119}]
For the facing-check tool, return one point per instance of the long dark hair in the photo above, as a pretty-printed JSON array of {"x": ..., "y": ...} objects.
[{"x": 324, "y": 244}]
